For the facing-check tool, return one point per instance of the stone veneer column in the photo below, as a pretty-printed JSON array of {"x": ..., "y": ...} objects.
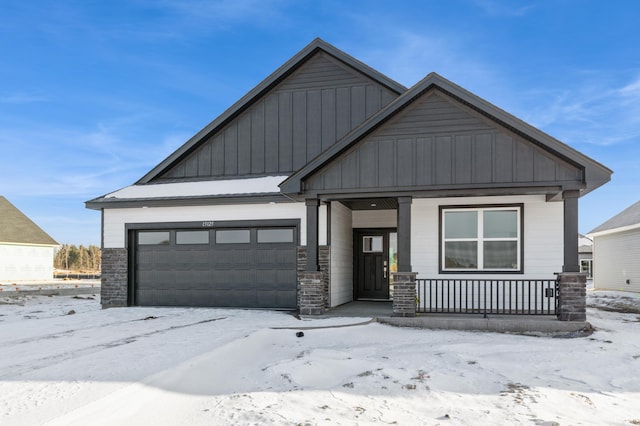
[
  {"x": 572, "y": 296},
  {"x": 311, "y": 293},
  {"x": 113, "y": 281},
  {"x": 404, "y": 294}
]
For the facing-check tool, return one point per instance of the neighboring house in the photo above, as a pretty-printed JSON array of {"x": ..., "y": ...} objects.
[
  {"x": 585, "y": 255},
  {"x": 26, "y": 251},
  {"x": 616, "y": 251},
  {"x": 330, "y": 182}
]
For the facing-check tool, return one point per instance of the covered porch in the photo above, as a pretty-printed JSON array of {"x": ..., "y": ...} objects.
[
  {"x": 445, "y": 156},
  {"x": 333, "y": 274}
]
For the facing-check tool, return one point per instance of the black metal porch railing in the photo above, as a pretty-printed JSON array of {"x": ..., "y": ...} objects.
[{"x": 478, "y": 296}]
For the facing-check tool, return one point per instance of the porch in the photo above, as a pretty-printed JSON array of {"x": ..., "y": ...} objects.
[
  {"x": 371, "y": 253},
  {"x": 382, "y": 312},
  {"x": 562, "y": 298}
]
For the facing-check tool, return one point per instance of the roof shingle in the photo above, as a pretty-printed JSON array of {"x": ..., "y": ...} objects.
[
  {"x": 16, "y": 227},
  {"x": 628, "y": 217}
]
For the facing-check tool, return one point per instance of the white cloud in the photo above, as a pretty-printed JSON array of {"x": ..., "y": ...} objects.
[
  {"x": 21, "y": 98},
  {"x": 594, "y": 112},
  {"x": 219, "y": 13},
  {"x": 408, "y": 56},
  {"x": 47, "y": 160}
]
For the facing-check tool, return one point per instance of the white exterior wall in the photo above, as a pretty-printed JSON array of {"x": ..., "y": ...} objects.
[
  {"x": 616, "y": 259},
  {"x": 115, "y": 219},
  {"x": 26, "y": 262},
  {"x": 543, "y": 235},
  {"x": 375, "y": 218},
  {"x": 341, "y": 286}
]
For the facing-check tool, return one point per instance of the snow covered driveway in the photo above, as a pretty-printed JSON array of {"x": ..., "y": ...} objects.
[{"x": 64, "y": 361}]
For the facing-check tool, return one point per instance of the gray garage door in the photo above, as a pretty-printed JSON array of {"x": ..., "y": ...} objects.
[{"x": 251, "y": 267}]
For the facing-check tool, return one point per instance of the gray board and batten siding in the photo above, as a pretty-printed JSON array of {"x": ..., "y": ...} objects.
[
  {"x": 437, "y": 142},
  {"x": 312, "y": 108},
  {"x": 465, "y": 126}
]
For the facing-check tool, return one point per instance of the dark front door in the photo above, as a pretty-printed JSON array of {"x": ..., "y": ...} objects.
[{"x": 374, "y": 256}]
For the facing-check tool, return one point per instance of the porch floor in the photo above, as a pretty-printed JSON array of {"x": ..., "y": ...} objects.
[
  {"x": 361, "y": 309},
  {"x": 382, "y": 312}
]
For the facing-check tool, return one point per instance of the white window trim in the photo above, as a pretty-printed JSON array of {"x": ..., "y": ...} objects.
[{"x": 480, "y": 238}]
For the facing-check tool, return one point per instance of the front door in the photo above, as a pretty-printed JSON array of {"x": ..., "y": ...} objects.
[{"x": 375, "y": 259}]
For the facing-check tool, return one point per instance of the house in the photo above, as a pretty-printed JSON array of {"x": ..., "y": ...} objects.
[
  {"x": 26, "y": 251},
  {"x": 616, "y": 251},
  {"x": 330, "y": 182},
  {"x": 585, "y": 255}
]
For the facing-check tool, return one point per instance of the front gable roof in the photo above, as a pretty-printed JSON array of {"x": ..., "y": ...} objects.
[
  {"x": 17, "y": 228},
  {"x": 215, "y": 150},
  {"x": 379, "y": 141}
]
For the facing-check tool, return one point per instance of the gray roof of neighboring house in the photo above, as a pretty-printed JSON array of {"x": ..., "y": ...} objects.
[
  {"x": 585, "y": 244},
  {"x": 15, "y": 227},
  {"x": 628, "y": 217}
]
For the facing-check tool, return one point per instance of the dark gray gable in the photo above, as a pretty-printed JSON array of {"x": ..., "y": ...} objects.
[
  {"x": 447, "y": 138},
  {"x": 315, "y": 102},
  {"x": 437, "y": 142}
]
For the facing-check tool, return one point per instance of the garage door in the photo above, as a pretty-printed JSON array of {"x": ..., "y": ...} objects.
[{"x": 251, "y": 267}]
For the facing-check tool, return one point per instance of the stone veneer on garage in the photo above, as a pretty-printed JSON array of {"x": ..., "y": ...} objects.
[
  {"x": 324, "y": 256},
  {"x": 113, "y": 286}
]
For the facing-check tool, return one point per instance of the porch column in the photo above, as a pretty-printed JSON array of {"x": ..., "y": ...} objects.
[
  {"x": 312, "y": 235},
  {"x": 404, "y": 234},
  {"x": 571, "y": 231},
  {"x": 572, "y": 285},
  {"x": 572, "y": 296}
]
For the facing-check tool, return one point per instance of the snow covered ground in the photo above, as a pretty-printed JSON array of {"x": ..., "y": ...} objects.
[{"x": 64, "y": 361}]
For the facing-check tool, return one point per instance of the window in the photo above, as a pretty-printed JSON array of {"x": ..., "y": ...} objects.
[
  {"x": 192, "y": 237},
  {"x": 153, "y": 238},
  {"x": 281, "y": 235},
  {"x": 481, "y": 239},
  {"x": 233, "y": 236},
  {"x": 585, "y": 267},
  {"x": 372, "y": 244}
]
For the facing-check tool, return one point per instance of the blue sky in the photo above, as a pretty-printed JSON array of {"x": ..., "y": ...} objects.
[{"x": 93, "y": 94}]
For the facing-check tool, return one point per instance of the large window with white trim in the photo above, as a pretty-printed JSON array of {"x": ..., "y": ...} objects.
[{"x": 485, "y": 239}]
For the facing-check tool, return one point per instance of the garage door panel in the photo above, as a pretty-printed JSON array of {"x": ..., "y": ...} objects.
[
  {"x": 157, "y": 297},
  {"x": 231, "y": 256},
  {"x": 285, "y": 278},
  {"x": 253, "y": 275},
  {"x": 287, "y": 298},
  {"x": 267, "y": 298}
]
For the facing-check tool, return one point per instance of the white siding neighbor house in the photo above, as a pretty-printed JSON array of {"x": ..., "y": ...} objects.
[
  {"x": 616, "y": 251},
  {"x": 585, "y": 255},
  {"x": 26, "y": 251},
  {"x": 329, "y": 182}
]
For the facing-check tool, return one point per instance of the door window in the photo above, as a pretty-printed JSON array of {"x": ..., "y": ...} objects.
[{"x": 372, "y": 244}]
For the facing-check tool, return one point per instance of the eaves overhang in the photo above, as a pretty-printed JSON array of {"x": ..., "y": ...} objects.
[{"x": 122, "y": 203}]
